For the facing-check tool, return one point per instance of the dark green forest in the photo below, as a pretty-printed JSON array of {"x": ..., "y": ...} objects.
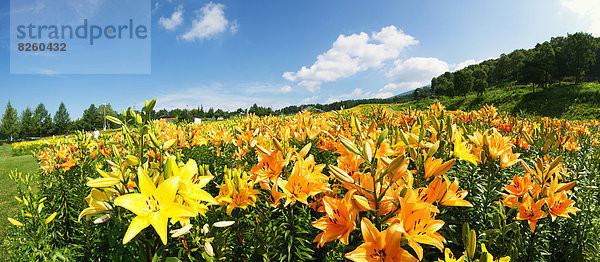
[{"x": 574, "y": 58}]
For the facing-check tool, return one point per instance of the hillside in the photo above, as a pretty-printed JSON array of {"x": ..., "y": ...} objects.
[{"x": 570, "y": 101}]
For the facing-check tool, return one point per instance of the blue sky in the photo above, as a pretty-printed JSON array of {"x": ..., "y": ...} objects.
[{"x": 230, "y": 54}]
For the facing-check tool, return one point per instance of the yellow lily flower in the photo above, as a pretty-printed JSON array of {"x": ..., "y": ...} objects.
[
  {"x": 449, "y": 257},
  {"x": 98, "y": 202},
  {"x": 153, "y": 206},
  {"x": 238, "y": 191},
  {"x": 489, "y": 257},
  {"x": 192, "y": 181},
  {"x": 379, "y": 246}
]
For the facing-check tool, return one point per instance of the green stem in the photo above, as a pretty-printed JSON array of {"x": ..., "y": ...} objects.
[{"x": 531, "y": 244}]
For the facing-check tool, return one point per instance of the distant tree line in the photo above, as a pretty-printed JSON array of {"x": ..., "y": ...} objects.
[
  {"x": 189, "y": 115},
  {"x": 39, "y": 122},
  {"x": 575, "y": 57}
]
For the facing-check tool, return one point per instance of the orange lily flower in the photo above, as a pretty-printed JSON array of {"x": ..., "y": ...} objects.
[
  {"x": 379, "y": 246},
  {"x": 520, "y": 185},
  {"x": 434, "y": 167},
  {"x": 339, "y": 221},
  {"x": 453, "y": 197},
  {"x": 419, "y": 226},
  {"x": 560, "y": 205},
  {"x": 508, "y": 158},
  {"x": 531, "y": 211}
]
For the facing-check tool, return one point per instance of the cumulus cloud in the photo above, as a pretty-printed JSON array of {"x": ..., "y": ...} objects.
[
  {"x": 221, "y": 96},
  {"x": 234, "y": 27},
  {"x": 463, "y": 64},
  {"x": 356, "y": 93},
  {"x": 352, "y": 54},
  {"x": 210, "y": 21},
  {"x": 285, "y": 89},
  {"x": 412, "y": 73},
  {"x": 309, "y": 100},
  {"x": 227, "y": 96},
  {"x": 174, "y": 21},
  {"x": 587, "y": 9}
]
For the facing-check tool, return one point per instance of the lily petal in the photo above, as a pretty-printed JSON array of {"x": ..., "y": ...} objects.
[
  {"x": 137, "y": 225},
  {"x": 135, "y": 203}
]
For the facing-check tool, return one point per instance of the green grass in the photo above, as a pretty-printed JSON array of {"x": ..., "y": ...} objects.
[
  {"x": 25, "y": 164},
  {"x": 568, "y": 101}
]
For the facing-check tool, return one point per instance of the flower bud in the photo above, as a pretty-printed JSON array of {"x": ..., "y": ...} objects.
[
  {"x": 341, "y": 174},
  {"x": 50, "y": 218},
  {"x": 349, "y": 145},
  {"x": 15, "y": 222},
  {"x": 132, "y": 160},
  {"x": 361, "y": 202},
  {"x": 102, "y": 219},
  {"x": 223, "y": 223},
  {"x": 209, "y": 249},
  {"x": 103, "y": 182}
]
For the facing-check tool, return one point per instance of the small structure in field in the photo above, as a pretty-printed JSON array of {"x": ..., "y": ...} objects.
[{"x": 169, "y": 119}]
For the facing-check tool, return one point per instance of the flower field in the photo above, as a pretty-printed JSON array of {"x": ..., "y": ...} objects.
[
  {"x": 364, "y": 185},
  {"x": 28, "y": 147}
]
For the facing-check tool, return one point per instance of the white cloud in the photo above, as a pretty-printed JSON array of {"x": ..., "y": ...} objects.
[
  {"x": 285, "y": 89},
  {"x": 468, "y": 62},
  {"x": 463, "y": 64},
  {"x": 587, "y": 9},
  {"x": 417, "y": 72},
  {"x": 410, "y": 74},
  {"x": 356, "y": 93},
  {"x": 234, "y": 27},
  {"x": 210, "y": 21},
  {"x": 416, "y": 69},
  {"x": 215, "y": 97},
  {"x": 309, "y": 100},
  {"x": 352, "y": 54},
  {"x": 229, "y": 96},
  {"x": 175, "y": 20}
]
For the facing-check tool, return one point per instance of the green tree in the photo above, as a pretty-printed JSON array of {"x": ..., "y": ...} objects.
[
  {"x": 533, "y": 73},
  {"x": 219, "y": 113},
  {"x": 560, "y": 58},
  {"x": 106, "y": 110},
  {"x": 463, "y": 82},
  {"x": 90, "y": 119},
  {"x": 42, "y": 120},
  {"x": 201, "y": 112},
  {"x": 480, "y": 83},
  {"x": 62, "y": 120},
  {"x": 10, "y": 122},
  {"x": 417, "y": 94},
  {"x": 501, "y": 71},
  {"x": 516, "y": 62},
  {"x": 544, "y": 59},
  {"x": 594, "y": 70},
  {"x": 442, "y": 85},
  {"x": 580, "y": 48},
  {"x": 27, "y": 123}
]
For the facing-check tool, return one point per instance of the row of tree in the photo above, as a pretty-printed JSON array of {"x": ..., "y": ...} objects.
[
  {"x": 575, "y": 57},
  {"x": 39, "y": 122},
  {"x": 189, "y": 115}
]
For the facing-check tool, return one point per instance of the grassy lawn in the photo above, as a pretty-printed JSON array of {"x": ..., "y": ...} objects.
[{"x": 25, "y": 164}]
